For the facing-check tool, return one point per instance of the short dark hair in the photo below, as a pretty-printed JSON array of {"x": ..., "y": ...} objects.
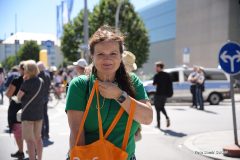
[{"x": 160, "y": 64}]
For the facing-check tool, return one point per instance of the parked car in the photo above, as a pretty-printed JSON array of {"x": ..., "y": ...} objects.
[{"x": 217, "y": 85}]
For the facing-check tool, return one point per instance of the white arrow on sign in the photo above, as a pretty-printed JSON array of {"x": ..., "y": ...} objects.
[{"x": 225, "y": 57}]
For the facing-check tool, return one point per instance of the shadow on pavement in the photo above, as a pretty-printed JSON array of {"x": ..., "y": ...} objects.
[
  {"x": 179, "y": 109},
  {"x": 173, "y": 133},
  {"x": 211, "y": 112},
  {"x": 47, "y": 142}
]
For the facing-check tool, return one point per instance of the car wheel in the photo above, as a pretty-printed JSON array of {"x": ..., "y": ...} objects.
[
  {"x": 151, "y": 98},
  {"x": 214, "y": 99}
]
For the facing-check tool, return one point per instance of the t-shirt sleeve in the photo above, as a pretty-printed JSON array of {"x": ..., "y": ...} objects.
[
  {"x": 139, "y": 88},
  {"x": 14, "y": 82},
  {"x": 25, "y": 86},
  {"x": 76, "y": 95},
  {"x": 155, "y": 80}
]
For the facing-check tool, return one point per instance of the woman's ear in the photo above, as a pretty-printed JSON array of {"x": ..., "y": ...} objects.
[{"x": 91, "y": 57}]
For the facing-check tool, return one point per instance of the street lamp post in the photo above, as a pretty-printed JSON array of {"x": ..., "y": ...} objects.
[
  {"x": 85, "y": 29},
  {"x": 117, "y": 14}
]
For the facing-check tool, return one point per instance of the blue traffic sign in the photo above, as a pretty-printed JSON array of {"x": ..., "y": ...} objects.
[
  {"x": 49, "y": 43},
  {"x": 229, "y": 58}
]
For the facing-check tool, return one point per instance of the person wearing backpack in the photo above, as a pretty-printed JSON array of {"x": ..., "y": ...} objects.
[{"x": 163, "y": 82}]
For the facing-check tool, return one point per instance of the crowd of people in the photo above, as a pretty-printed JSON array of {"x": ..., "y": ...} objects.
[
  {"x": 111, "y": 73},
  {"x": 20, "y": 88}
]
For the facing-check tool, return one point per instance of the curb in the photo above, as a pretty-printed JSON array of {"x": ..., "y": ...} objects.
[{"x": 210, "y": 144}]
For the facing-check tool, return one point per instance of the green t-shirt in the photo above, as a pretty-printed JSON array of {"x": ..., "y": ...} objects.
[{"x": 78, "y": 93}]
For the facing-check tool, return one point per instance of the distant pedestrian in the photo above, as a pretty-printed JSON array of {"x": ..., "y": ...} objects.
[
  {"x": 200, "y": 88},
  {"x": 192, "y": 78},
  {"x": 129, "y": 59},
  {"x": 33, "y": 92},
  {"x": 44, "y": 74},
  {"x": 15, "y": 126},
  {"x": 11, "y": 75},
  {"x": 79, "y": 69},
  {"x": 163, "y": 82},
  {"x": 80, "y": 66},
  {"x": 2, "y": 80}
]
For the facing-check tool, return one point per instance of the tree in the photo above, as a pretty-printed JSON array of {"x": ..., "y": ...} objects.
[
  {"x": 29, "y": 50},
  {"x": 9, "y": 62},
  {"x": 72, "y": 38},
  {"x": 129, "y": 23}
]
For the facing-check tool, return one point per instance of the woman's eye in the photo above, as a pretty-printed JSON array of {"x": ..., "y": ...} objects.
[
  {"x": 114, "y": 54},
  {"x": 100, "y": 55}
]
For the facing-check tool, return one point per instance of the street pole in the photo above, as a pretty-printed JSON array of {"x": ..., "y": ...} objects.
[
  {"x": 85, "y": 29},
  {"x": 117, "y": 14},
  {"x": 16, "y": 39},
  {"x": 233, "y": 111}
]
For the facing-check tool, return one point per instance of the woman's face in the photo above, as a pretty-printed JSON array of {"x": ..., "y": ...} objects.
[
  {"x": 106, "y": 58},
  {"x": 26, "y": 76}
]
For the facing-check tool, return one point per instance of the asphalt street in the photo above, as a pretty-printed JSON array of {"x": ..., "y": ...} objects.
[{"x": 165, "y": 144}]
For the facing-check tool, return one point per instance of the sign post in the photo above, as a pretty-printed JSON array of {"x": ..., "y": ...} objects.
[
  {"x": 229, "y": 60},
  {"x": 186, "y": 55}
]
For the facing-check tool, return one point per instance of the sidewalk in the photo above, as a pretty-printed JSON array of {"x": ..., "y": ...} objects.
[{"x": 211, "y": 144}]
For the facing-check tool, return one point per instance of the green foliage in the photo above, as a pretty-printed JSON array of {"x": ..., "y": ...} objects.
[
  {"x": 9, "y": 62},
  {"x": 29, "y": 50},
  {"x": 72, "y": 38},
  {"x": 129, "y": 23}
]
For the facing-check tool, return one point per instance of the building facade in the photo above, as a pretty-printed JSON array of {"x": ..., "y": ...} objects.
[
  {"x": 190, "y": 32},
  {"x": 11, "y": 45}
]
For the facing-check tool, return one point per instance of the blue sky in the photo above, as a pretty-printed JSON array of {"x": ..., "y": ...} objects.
[{"x": 39, "y": 16}]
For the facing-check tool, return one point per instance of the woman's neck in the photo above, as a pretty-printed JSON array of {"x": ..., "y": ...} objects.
[{"x": 106, "y": 78}]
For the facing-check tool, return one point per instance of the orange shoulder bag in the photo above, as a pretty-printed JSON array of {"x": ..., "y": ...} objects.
[{"x": 102, "y": 149}]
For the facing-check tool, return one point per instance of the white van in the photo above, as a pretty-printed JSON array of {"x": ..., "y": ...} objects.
[{"x": 217, "y": 85}]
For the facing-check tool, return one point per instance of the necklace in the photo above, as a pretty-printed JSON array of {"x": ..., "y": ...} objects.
[{"x": 102, "y": 104}]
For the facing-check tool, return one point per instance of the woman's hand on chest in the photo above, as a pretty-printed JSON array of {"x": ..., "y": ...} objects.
[{"x": 109, "y": 90}]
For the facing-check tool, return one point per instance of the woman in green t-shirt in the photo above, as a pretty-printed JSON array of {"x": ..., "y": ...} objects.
[{"x": 116, "y": 88}]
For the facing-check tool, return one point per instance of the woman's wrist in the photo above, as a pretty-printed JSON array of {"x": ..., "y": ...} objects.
[{"x": 122, "y": 97}]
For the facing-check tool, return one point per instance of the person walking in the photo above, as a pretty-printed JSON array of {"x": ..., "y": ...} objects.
[
  {"x": 31, "y": 95},
  {"x": 192, "y": 78},
  {"x": 117, "y": 90},
  {"x": 15, "y": 126},
  {"x": 163, "y": 83},
  {"x": 47, "y": 82}
]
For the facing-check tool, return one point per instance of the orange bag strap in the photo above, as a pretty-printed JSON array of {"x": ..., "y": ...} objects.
[
  {"x": 99, "y": 114},
  {"x": 85, "y": 113},
  {"x": 129, "y": 124},
  {"x": 116, "y": 119},
  {"x": 120, "y": 112}
]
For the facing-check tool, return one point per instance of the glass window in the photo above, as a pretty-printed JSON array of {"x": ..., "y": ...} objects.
[
  {"x": 186, "y": 74},
  {"x": 215, "y": 75}
]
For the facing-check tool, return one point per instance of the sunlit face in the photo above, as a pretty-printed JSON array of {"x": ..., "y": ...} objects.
[
  {"x": 79, "y": 70},
  {"x": 106, "y": 58},
  {"x": 26, "y": 75},
  {"x": 157, "y": 68}
]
